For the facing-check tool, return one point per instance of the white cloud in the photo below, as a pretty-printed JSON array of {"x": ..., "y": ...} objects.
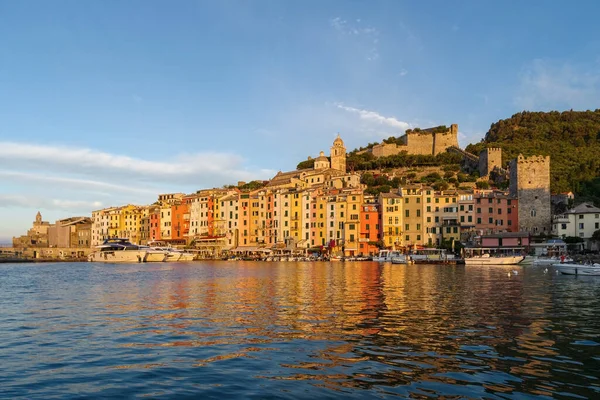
[
  {"x": 546, "y": 84},
  {"x": 12, "y": 200},
  {"x": 202, "y": 168},
  {"x": 70, "y": 183},
  {"x": 376, "y": 118},
  {"x": 403, "y": 72}
]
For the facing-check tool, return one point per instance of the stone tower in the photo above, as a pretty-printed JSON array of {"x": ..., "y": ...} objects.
[
  {"x": 338, "y": 154},
  {"x": 530, "y": 183},
  {"x": 38, "y": 218},
  {"x": 488, "y": 159}
]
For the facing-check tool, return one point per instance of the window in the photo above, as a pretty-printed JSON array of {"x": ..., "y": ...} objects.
[
  {"x": 462, "y": 207},
  {"x": 580, "y": 216},
  {"x": 469, "y": 219},
  {"x": 418, "y": 213},
  {"x": 581, "y": 225},
  {"x": 462, "y": 218},
  {"x": 478, "y": 210},
  {"x": 407, "y": 227},
  {"x": 499, "y": 211},
  {"x": 418, "y": 237},
  {"x": 490, "y": 210},
  {"x": 407, "y": 213},
  {"x": 533, "y": 213},
  {"x": 491, "y": 220},
  {"x": 478, "y": 220},
  {"x": 563, "y": 226},
  {"x": 407, "y": 238}
]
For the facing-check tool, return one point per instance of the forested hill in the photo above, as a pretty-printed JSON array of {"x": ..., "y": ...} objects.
[{"x": 570, "y": 138}]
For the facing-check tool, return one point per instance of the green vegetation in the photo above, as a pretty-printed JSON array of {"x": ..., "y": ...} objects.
[
  {"x": 310, "y": 163},
  {"x": 367, "y": 161},
  {"x": 570, "y": 138}
]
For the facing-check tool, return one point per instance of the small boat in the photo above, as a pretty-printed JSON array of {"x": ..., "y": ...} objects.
[
  {"x": 578, "y": 269},
  {"x": 547, "y": 261},
  {"x": 388, "y": 255},
  {"x": 401, "y": 259}
]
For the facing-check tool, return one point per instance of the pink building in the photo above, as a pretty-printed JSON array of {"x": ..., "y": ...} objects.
[{"x": 495, "y": 211}]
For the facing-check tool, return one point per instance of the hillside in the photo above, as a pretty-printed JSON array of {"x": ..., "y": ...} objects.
[{"x": 570, "y": 138}]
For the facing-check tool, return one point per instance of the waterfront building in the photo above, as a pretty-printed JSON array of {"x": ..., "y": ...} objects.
[
  {"x": 229, "y": 213},
  {"x": 392, "y": 208},
  {"x": 154, "y": 216},
  {"x": 370, "y": 222},
  {"x": 352, "y": 201},
  {"x": 70, "y": 232},
  {"x": 100, "y": 226},
  {"x": 296, "y": 219},
  {"x": 165, "y": 220},
  {"x": 412, "y": 216},
  {"x": 495, "y": 211},
  {"x": 180, "y": 226},
  {"x": 466, "y": 215},
  {"x": 446, "y": 217},
  {"x": 581, "y": 222}
]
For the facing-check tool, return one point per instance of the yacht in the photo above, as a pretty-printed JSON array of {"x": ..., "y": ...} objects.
[
  {"x": 173, "y": 254},
  {"x": 155, "y": 255},
  {"x": 118, "y": 250}
]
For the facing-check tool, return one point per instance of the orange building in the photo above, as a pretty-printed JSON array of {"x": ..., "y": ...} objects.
[
  {"x": 154, "y": 214},
  {"x": 370, "y": 227},
  {"x": 179, "y": 226}
]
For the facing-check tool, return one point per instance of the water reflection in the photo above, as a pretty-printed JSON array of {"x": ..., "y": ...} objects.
[{"x": 351, "y": 329}]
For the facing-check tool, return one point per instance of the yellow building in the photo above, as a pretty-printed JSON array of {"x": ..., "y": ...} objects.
[
  {"x": 414, "y": 223},
  {"x": 352, "y": 201},
  {"x": 392, "y": 208},
  {"x": 446, "y": 217}
]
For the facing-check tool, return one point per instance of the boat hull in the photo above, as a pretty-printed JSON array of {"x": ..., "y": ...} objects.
[
  {"x": 156, "y": 256},
  {"x": 578, "y": 269},
  {"x": 119, "y": 256},
  {"x": 509, "y": 260}
]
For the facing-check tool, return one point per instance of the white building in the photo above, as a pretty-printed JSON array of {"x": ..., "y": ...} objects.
[{"x": 581, "y": 221}]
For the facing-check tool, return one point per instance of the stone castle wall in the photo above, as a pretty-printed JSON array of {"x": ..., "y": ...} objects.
[
  {"x": 489, "y": 159},
  {"x": 530, "y": 183},
  {"x": 422, "y": 142}
]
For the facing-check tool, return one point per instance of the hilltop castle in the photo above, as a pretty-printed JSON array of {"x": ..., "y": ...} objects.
[{"x": 431, "y": 141}]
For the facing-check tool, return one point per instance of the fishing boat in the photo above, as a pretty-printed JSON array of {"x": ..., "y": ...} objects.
[
  {"x": 117, "y": 250},
  {"x": 578, "y": 269}
]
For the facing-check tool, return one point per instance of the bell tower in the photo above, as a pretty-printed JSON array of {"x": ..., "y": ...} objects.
[{"x": 338, "y": 155}]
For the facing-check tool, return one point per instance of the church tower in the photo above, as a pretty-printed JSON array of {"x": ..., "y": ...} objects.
[{"x": 338, "y": 155}]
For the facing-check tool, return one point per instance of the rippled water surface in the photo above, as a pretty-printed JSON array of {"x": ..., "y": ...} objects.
[{"x": 296, "y": 330}]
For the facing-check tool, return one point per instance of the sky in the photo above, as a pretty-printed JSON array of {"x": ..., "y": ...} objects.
[{"x": 107, "y": 103}]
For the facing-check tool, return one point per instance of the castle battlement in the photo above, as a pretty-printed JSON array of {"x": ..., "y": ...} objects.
[{"x": 532, "y": 159}]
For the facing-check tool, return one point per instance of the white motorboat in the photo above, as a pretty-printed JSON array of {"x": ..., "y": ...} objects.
[
  {"x": 388, "y": 255},
  {"x": 431, "y": 254},
  {"x": 487, "y": 259},
  {"x": 172, "y": 253},
  {"x": 547, "y": 261},
  {"x": 578, "y": 269},
  {"x": 154, "y": 255},
  {"x": 118, "y": 251}
]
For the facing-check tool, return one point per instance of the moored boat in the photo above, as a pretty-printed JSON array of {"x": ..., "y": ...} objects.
[
  {"x": 388, "y": 255},
  {"x": 118, "y": 250},
  {"x": 577, "y": 269},
  {"x": 487, "y": 259}
]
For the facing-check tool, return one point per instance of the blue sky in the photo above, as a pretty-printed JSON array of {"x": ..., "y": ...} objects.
[{"x": 109, "y": 102}]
